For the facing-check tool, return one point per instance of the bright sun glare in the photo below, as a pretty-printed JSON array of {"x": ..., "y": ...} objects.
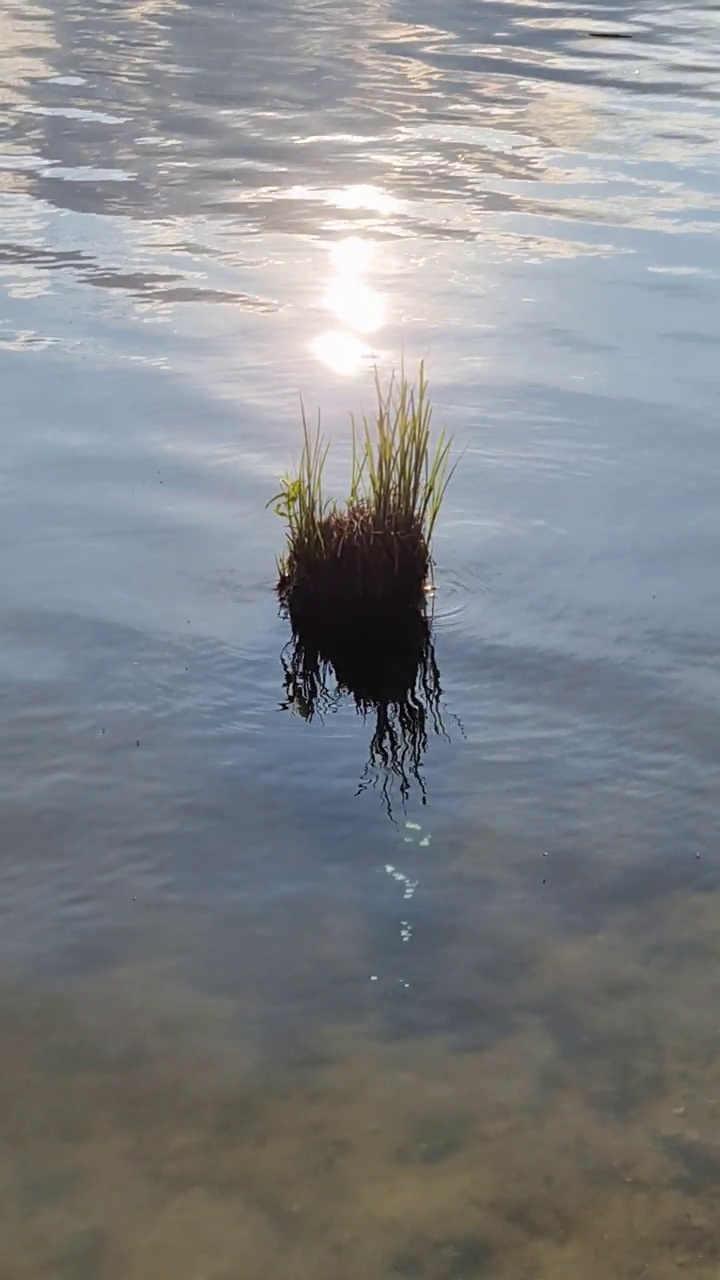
[{"x": 357, "y": 307}]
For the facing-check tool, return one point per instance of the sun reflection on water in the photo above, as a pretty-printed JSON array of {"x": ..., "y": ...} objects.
[
  {"x": 344, "y": 353},
  {"x": 355, "y": 304}
]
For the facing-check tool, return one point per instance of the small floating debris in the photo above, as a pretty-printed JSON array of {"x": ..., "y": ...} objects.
[{"x": 610, "y": 35}]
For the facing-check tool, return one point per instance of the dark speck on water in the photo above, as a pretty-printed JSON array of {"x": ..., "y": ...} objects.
[{"x": 210, "y": 209}]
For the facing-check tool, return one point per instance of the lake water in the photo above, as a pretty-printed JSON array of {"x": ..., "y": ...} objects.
[{"x": 259, "y": 1020}]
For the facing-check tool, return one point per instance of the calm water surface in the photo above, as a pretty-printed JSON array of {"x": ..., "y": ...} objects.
[{"x": 251, "y": 1027}]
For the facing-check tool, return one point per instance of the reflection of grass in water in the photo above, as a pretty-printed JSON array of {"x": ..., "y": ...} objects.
[
  {"x": 148, "y": 1160},
  {"x": 392, "y": 678}
]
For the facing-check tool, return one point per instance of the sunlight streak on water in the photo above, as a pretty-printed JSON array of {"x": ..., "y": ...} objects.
[{"x": 359, "y": 308}]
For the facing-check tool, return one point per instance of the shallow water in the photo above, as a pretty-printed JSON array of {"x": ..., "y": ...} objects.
[{"x": 252, "y": 1027}]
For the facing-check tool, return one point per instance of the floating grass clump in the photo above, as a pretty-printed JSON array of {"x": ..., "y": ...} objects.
[
  {"x": 369, "y": 558},
  {"x": 354, "y": 577}
]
